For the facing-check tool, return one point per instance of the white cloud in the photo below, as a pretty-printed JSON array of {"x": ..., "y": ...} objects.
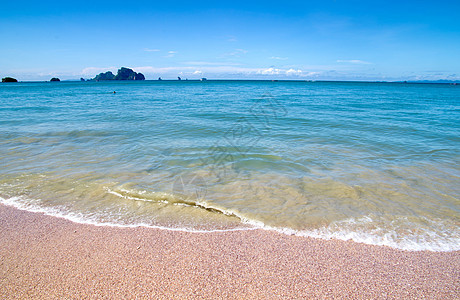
[
  {"x": 354, "y": 61},
  {"x": 269, "y": 71},
  {"x": 275, "y": 71},
  {"x": 151, "y": 50},
  {"x": 292, "y": 72},
  {"x": 207, "y": 63},
  {"x": 278, "y": 58},
  {"x": 90, "y": 71},
  {"x": 214, "y": 70},
  {"x": 170, "y": 54},
  {"x": 224, "y": 71},
  {"x": 235, "y": 53}
]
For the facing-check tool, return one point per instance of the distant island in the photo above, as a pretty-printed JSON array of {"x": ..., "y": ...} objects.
[
  {"x": 123, "y": 74},
  {"x": 9, "y": 79},
  {"x": 55, "y": 79}
]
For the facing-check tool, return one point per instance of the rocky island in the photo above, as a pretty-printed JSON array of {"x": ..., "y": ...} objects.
[
  {"x": 123, "y": 74},
  {"x": 9, "y": 79}
]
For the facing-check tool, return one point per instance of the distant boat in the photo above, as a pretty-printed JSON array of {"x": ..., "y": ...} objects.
[
  {"x": 203, "y": 79},
  {"x": 159, "y": 78}
]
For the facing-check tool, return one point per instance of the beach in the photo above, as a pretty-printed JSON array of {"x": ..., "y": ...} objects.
[
  {"x": 230, "y": 150},
  {"x": 44, "y": 257},
  {"x": 229, "y": 190}
]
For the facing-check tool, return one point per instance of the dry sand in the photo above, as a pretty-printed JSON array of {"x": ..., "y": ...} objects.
[{"x": 45, "y": 257}]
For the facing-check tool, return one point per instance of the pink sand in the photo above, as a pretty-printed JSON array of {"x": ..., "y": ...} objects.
[{"x": 44, "y": 257}]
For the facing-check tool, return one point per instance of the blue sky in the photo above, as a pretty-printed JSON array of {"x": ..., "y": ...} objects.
[{"x": 311, "y": 40}]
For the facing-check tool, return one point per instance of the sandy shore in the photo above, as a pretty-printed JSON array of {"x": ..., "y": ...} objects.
[{"x": 45, "y": 257}]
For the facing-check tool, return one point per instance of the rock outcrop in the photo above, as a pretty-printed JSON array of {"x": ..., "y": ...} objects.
[
  {"x": 123, "y": 74},
  {"x": 105, "y": 76},
  {"x": 9, "y": 79},
  {"x": 128, "y": 74}
]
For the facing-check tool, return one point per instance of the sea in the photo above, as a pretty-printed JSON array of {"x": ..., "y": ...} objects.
[{"x": 375, "y": 163}]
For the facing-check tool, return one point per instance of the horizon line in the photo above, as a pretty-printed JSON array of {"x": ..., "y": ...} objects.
[{"x": 438, "y": 81}]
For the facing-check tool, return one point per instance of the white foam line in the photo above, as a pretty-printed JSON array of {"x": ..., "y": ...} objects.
[
  {"x": 365, "y": 238},
  {"x": 80, "y": 219},
  {"x": 324, "y": 234}
]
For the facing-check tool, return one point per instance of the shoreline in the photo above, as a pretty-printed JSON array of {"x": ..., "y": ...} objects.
[
  {"x": 49, "y": 257},
  {"x": 343, "y": 236}
]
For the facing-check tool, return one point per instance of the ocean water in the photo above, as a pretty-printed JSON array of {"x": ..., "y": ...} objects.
[{"x": 377, "y": 163}]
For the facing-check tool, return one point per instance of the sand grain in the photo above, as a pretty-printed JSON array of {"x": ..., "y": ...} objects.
[{"x": 44, "y": 257}]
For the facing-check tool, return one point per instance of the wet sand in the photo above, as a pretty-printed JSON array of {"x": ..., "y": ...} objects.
[{"x": 44, "y": 257}]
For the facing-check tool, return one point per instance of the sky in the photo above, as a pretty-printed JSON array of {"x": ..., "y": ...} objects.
[{"x": 303, "y": 40}]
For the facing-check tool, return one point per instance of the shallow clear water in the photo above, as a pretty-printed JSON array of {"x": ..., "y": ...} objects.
[{"x": 373, "y": 162}]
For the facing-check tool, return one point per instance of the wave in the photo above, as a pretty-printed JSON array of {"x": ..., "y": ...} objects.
[
  {"x": 354, "y": 229},
  {"x": 169, "y": 199},
  {"x": 431, "y": 240},
  {"x": 20, "y": 203}
]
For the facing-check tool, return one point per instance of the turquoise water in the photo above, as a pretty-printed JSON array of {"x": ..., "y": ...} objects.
[{"x": 373, "y": 162}]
